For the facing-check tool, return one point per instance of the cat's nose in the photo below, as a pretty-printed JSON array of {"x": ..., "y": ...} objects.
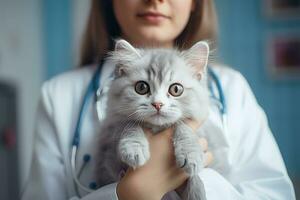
[{"x": 157, "y": 105}]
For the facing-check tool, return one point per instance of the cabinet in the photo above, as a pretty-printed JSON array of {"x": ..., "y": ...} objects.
[{"x": 9, "y": 179}]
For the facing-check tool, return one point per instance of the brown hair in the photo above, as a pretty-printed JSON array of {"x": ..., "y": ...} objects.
[{"x": 102, "y": 28}]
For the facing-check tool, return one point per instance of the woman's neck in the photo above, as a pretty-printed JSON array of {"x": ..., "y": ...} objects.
[{"x": 143, "y": 44}]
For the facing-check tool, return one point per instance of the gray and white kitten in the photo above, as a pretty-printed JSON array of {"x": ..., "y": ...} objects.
[{"x": 154, "y": 88}]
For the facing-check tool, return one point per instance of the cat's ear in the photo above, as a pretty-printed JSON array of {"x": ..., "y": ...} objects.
[
  {"x": 123, "y": 54},
  {"x": 197, "y": 57},
  {"x": 126, "y": 48},
  {"x": 120, "y": 70}
]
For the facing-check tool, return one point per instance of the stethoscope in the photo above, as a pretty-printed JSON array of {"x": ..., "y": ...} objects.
[{"x": 94, "y": 89}]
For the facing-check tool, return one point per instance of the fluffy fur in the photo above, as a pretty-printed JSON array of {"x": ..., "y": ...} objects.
[{"x": 122, "y": 142}]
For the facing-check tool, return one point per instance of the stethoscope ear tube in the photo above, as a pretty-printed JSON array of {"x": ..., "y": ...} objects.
[
  {"x": 222, "y": 100},
  {"x": 73, "y": 161},
  {"x": 92, "y": 88},
  {"x": 215, "y": 78}
]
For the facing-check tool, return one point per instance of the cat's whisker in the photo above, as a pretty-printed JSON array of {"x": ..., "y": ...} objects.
[
  {"x": 136, "y": 121},
  {"x": 123, "y": 110},
  {"x": 130, "y": 123}
]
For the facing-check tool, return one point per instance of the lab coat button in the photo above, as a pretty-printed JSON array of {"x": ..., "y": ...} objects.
[{"x": 93, "y": 185}]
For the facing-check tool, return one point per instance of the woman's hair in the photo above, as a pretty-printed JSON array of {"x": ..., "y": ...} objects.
[{"x": 102, "y": 28}]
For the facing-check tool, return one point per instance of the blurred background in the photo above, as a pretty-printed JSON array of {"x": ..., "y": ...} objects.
[{"x": 40, "y": 38}]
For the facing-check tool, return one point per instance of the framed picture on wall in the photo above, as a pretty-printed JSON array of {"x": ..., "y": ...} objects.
[
  {"x": 283, "y": 55},
  {"x": 282, "y": 8}
]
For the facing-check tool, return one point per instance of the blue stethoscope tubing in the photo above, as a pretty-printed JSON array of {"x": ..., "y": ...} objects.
[
  {"x": 221, "y": 99},
  {"x": 93, "y": 88}
]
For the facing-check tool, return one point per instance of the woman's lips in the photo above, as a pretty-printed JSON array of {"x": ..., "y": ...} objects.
[{"x": 152, "y": 17}]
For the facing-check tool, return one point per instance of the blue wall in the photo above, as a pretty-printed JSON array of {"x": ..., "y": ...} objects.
[
  {"x": 57, "y": 36},
  {"x": 243, "y": 32}
]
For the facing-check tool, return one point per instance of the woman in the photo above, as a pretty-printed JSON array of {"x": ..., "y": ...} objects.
[{"x": 256, "y": 170}]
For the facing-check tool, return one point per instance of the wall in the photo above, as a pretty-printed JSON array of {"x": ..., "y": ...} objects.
[
  {"x": 244, "y": 29},
  {"x": 79, "y": 15},
  {"x": 57, "y": 36}
]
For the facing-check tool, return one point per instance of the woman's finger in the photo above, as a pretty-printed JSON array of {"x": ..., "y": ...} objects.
[
  {"x": 203, "y": 144},
  {"x": 193, "y": 124},
  {"x": 165, "y": 133},
  {"x": 208, "y": 158}
]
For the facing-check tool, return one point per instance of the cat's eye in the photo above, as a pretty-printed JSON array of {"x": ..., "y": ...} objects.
[
  {"x": 141, "y": 87},
  {"x": 176, "y": 89}
]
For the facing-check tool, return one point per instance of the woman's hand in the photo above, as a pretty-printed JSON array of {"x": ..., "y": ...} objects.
[
  {"x": 160, "y": 174},
  {"x": 208, "y": 157}
]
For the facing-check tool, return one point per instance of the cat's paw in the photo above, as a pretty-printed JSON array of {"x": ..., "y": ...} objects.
[
  {"x": 189, "y": 155},
  {"x": 191, "y": 163},
  {"x": 134, "y": 153}
]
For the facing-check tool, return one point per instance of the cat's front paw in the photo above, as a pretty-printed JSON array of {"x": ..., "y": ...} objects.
[
  {"x": 191, "y": 163},
  {"x": 188, "y": 154},
  {"x": 134, "y": 153}
]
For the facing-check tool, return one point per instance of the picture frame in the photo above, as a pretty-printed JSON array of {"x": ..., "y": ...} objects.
[
  {"x": 282, "y": 8},
  {"x": 283, "y": 55}
]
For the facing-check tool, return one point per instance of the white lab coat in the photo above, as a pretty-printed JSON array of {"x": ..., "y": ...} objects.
[{"x": 256, "y": 172}]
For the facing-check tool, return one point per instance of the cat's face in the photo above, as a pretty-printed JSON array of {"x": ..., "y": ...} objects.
[{"x": 160, "y": 87}]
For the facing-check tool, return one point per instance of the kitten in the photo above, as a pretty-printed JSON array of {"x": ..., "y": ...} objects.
[{"x": 154, "y": 88}]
